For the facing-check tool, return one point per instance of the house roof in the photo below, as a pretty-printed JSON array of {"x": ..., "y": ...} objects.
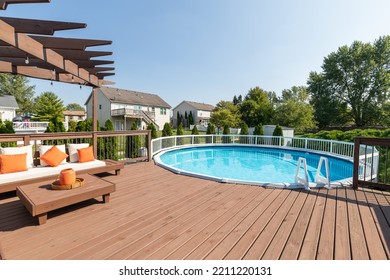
[
  {"x": 74, "y": 113},
  {"x": 133, "y": 97},
  {"x": 198, "y": 106},
  {"x": 8, "y": 101}
]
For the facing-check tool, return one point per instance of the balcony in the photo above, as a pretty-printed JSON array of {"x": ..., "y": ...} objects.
[
  {"x": 32, "y": 127},
  {"x": 131, "y": 113}
]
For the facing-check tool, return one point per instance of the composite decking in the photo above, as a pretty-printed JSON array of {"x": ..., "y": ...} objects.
[{"x": 155, "y": 214}]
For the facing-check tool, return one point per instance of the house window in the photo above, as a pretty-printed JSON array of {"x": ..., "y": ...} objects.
[
  {"x": 137, "y": 107},
  {"x": 163, "y": 111},
  {"x": 153, "y": 109}
]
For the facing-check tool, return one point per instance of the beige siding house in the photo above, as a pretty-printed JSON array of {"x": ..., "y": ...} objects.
[
  {"x": 74, "y": 116},
  {"x": 201, "y": 112},
  {"x": 125, "y": 107}
]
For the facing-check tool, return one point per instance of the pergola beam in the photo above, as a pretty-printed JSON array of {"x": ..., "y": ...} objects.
[
  {"x": 40, "y": 27},
  {"x": 34, "y": 48},
  {"x": 4, "y": 3}
]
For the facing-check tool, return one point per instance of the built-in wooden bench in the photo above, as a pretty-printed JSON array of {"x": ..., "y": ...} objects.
[{"x": 110, "y": 166}]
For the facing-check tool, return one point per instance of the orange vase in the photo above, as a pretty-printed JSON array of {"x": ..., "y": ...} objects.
[{"x": 67, "y": 176}]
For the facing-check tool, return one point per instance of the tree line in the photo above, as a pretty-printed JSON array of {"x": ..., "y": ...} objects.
[{"x": 351, "y": 90}]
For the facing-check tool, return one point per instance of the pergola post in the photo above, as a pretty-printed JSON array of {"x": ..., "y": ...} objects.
[{"x": 94, "y": 119}]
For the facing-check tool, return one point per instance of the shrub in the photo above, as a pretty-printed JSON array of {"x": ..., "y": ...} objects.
[
  {"x": 226, "y": 131},
  {"x": 195, "y": 131},
  {"x": 277, "y": 132},
  {"x": 210, "y": 131},
  {"x": 153, "y": 130},
  {"x": 167, "y": 130},
  {"x": 179, "y": 131}
]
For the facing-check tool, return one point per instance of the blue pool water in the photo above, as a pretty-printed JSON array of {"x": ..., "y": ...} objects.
[{"x": 254, "y": 164}]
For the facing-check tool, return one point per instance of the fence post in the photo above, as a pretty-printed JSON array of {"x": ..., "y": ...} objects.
[
  {"x": 26, "y": 140},
  {"x": 149, "y": 145},
  {"x": 356, "y": 156},
  {"x": 95, "y": 143}
]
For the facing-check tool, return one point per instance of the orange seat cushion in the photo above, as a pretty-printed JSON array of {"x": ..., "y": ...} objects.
[
  {"x": 86, "y": 154},
  {"x": 13, "y": 163},
  {"x": 54, "y": 156}
]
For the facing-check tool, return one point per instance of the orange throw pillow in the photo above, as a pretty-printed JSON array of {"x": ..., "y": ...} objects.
[
  {"x": 86, "y": 154},
  {"x": 13, "y": 163},
  {"x": 54, "y": 156}
]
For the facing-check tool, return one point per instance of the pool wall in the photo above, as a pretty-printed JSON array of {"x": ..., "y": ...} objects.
[{"x": 337, "y": 183}]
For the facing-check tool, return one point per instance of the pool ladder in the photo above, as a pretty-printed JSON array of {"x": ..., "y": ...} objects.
[{"x": 318, "y": 179}]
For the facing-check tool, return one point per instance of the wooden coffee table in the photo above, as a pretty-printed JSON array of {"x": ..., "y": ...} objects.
[{"x": 39, "y": 198}]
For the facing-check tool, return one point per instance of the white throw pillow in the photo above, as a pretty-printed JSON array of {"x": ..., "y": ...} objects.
[
  {"x": 44, "y": 148},
  {"x": 72, "y": 149},
  {"x": 20, "y": 150}
]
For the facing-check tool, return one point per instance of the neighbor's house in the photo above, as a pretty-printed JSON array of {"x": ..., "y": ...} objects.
[
  {"x": 76, "y": 116},
  {"x": 125, "y": 107},
  {"x": 201, "y": 112},
  {"x": 8, "y": 107}
]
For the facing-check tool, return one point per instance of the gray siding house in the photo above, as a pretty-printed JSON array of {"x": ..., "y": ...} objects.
[
  {"x": 125, "y": 107},
  {"x": 201, "y": 112}
]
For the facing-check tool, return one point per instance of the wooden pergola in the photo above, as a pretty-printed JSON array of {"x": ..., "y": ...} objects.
[{"x": 28, "y": 47}]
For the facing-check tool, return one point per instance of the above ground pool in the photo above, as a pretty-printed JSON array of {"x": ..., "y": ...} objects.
[{"x": 251, "y": 165}]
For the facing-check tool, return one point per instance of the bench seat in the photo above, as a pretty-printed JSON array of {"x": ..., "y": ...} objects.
[{"x": 9, "y": 182}]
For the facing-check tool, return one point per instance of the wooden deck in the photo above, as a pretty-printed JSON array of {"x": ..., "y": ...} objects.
[{"x": 155, "y": 214}]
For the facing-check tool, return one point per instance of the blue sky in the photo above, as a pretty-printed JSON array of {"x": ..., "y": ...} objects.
[{"x": 211, "y": 50}]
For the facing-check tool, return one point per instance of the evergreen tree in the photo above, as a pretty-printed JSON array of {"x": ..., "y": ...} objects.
[
  {"x": 210, "y": 131},
  {"x": 226, "y": 131},
  {"x": 278, "y": 131},
  {"x": 153, "y": 130},
  {"x": 179, "y": 132},
  {"x": 72, "y": 126},
  {"x": 259, "y": 131},
  {"x": 244, "y": 131},
  {"x": 167, "y": 130},
  {"x": 48, "y": 106},
  {"x": 191, "y": 118},
  {"x": 195, "y": 131}
]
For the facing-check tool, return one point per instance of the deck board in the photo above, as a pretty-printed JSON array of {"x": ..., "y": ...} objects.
[{"x": 155, "y": 214}]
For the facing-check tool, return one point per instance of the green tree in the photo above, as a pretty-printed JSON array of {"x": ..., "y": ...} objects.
[
  {"x": 167, "y": 130},
  {"x": 256, "y": 107},
  {"x": 195, "y": 131},
  {"x": 234, "y": 110},
  {"x": 18, "y": 87},
  {"x": 221, "y": 118},
  {"x": 294, "y": 110},
  {"x": 358, "y": 76},
  {"x": 226, "y": 131},
  {"x": 72, "y": 126},
  {"x": 153, "y": 130},
  {"x": 259, "y": 131},
  {"x": 191, "y": 118},
  {"x": 179, "y": 131},
  {"x": 278, "y": 131},
  {"x": 48, "y": 106},
  {"x": 244, "y": 131},
  {"x": 6, "y": 126},
  {"x": 108, "y": 148},
  {"x": 210, "y": 131},
  {"x": 134, "y": 143},
  {"x": 75, "y": 107},
  {"x": 328, "y": 111}
]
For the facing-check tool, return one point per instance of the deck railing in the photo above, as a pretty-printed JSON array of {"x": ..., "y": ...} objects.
[
  {"x": 372, "y": 163},
  {"x": 343, "y": 149},
  {"x": 116, "y": 145}
]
